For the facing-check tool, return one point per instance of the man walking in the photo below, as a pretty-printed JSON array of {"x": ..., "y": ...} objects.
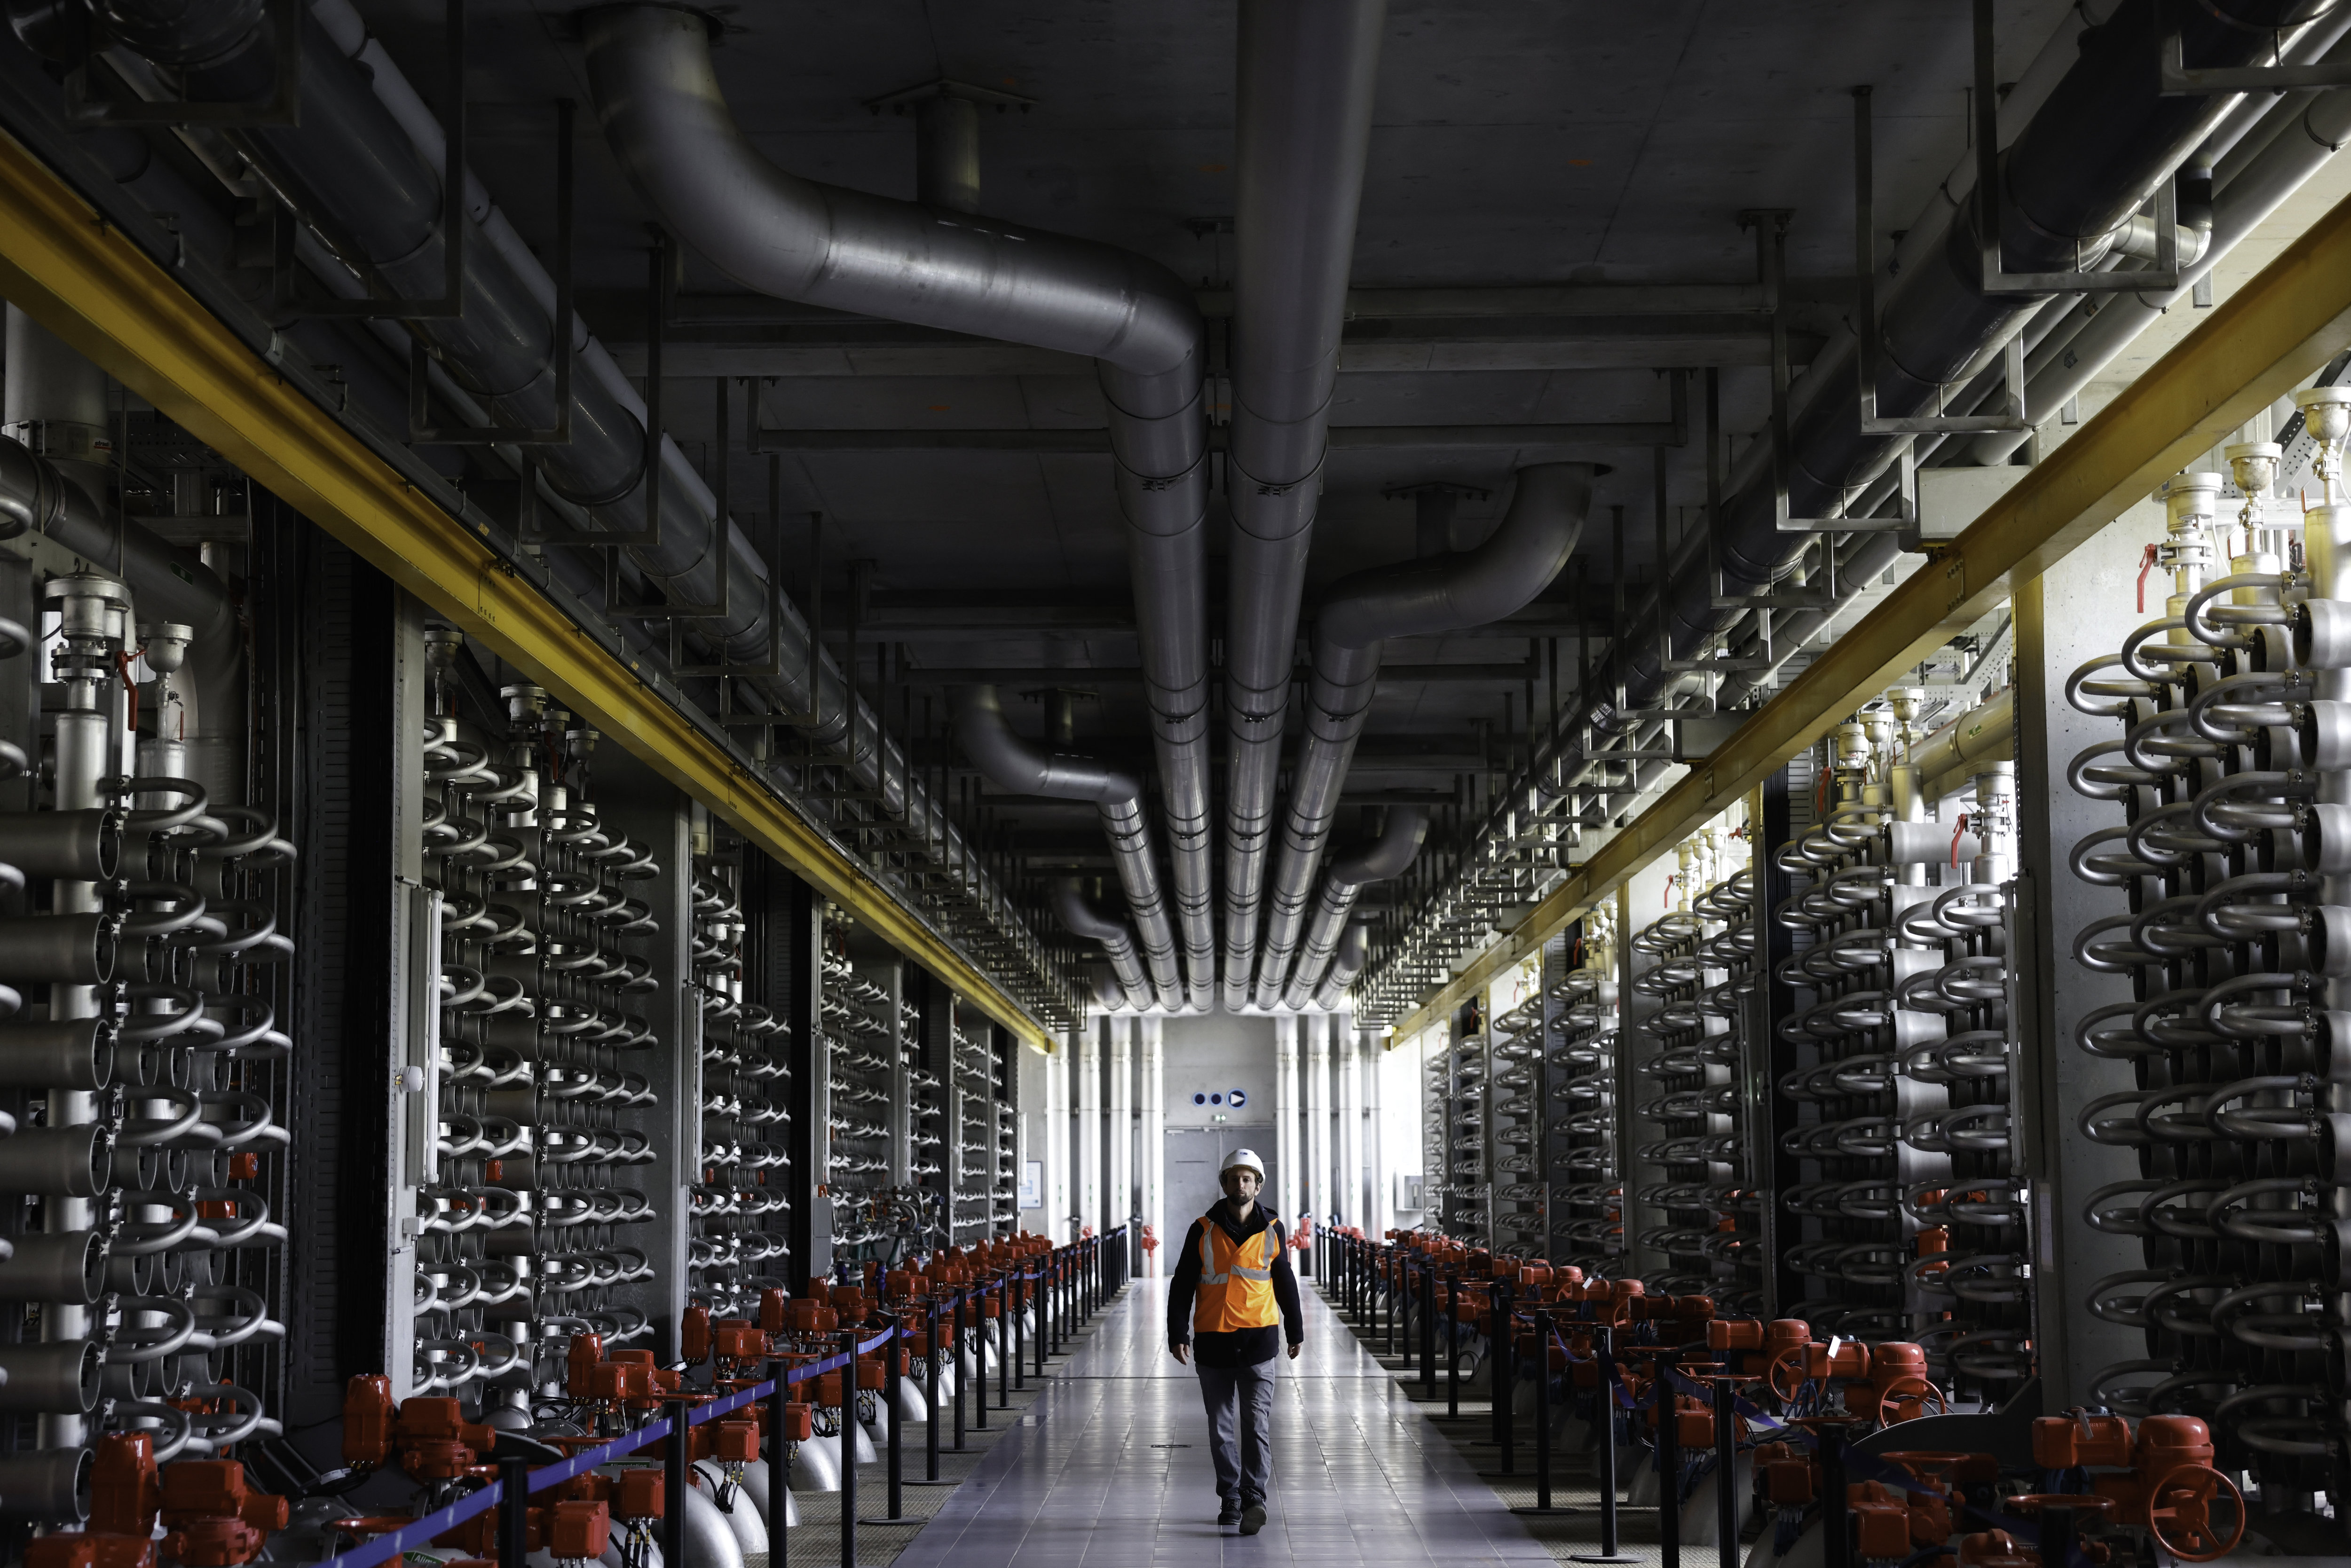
[{"x": 1233, "y": 1292}]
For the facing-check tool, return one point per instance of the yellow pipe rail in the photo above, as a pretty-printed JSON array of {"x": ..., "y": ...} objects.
[
  {"x": 78, "y": 276},
  {"x": 2270, "y": 336}
]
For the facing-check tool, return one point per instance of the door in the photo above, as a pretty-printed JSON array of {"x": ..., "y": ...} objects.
[{"x": 1194, "y": 1157}]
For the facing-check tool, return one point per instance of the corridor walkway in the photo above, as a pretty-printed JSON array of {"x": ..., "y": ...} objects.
[{"x": 1109, "y": 1468}]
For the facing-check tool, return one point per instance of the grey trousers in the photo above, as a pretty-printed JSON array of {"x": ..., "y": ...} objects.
[{"x": 1242, "y": 1396}]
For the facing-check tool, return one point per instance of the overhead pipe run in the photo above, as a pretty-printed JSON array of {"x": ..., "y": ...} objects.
[
  {"x": 1414, "y": 599},
  {"x": 1386, "y": 857},
  {"x": 1353, "y": 948},
  {"x": 1307, "y": 71},
  {"x": 667, "y": 121},
  {"x": 1117, "y": 942},
  {"x": 1011, "y": 763},
  {"x": 366, "y": 157}
]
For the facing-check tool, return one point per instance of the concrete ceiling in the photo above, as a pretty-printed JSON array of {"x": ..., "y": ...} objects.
[{"x": 1514, "y": 145}]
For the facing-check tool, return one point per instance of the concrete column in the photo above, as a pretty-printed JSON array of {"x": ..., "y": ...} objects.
[
  {"x": 1150, "y": 1139},
  {"x": 1285, "y": 1155},
  {"x": 1379, "y": 1183},
  {"x": 1348, "y": 1206},
  {"x": 1059, "y": 1193},
  {"x": 1119, "y": 1127},
  {"x": 1088, "y": 1067},
  {"x": 1316, "y": 1191}
]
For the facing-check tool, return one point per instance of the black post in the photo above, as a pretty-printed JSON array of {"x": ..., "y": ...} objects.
[
  {"x": 1429, "y": 1330},
  {"x": 1604, "y": 1351},
  {"x": 673, "y": 1483},
  {"x": 1668, "y": 1457},
  {"x": 1542, "y": 1419},
  {"x": 894, "y": 1369},
  {"x": 1018, "y": 1308},
  {"x": 962, "y": 1381},
  {"x": 1452, "y": 1346},
  {"x": 1007, "y": 1358},
  {"x": 848, "y": 1455},
  {"x": 514, "y": 1512},
  {"x": 1836, "y": 1540},
  {"x": 1506, "y": 1370},
  {"x": 1043, "y": 1296},
  {"x": 980, "y": 1359},
  {"x": 2056, "y": 1537},
  {"x": 931, "y": 1394},
  {"x": 779, "y": 1458},
  {"x": 1726, "y": 1471}
]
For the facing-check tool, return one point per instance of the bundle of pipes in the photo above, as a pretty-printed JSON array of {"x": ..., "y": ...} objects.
[
  {"x": 366, "y": 158},
  {"x": 2089, "y": 134},
  {"x": 532, "y": 1212},
  {"x": 141, "y": 988}
]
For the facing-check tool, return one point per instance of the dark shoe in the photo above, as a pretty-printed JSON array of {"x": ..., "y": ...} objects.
[
  {"x": 1229, "y": 1514},
  {"x": 1253, "y": 1518}
]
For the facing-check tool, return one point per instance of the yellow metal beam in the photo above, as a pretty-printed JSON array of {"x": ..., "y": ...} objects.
[
  {"x": 63, "y": 264},
  {"x": 2270, "y": 336}
]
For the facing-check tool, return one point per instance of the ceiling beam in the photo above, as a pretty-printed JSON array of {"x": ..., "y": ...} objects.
[
  {"x": 1095, "y": 443},
  {"x": 1036, "y": 676},
  {"x": 1569, "y": 327}
]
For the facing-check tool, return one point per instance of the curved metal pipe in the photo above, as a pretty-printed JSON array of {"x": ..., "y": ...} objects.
[
  {"x": 1011, "y": 763},
  {"x": 667, "y": 121},
  {"x": 358, "y": 158},
  {"x": 1419, "y": 598},
  {"x": 1118, "y": 943},
  {"x": 1353, "y": 949},
  {"x": 1386, "y": 857},
  {"x": 1307, "y": 76}
]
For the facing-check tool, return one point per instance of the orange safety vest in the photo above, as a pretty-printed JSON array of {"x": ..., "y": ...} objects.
[{"x": 1235, "y": 1280}]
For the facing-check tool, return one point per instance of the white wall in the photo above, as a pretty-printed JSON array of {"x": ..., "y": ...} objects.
[
  {"x": 1215, "y": 1054},
  {"x": 1399, "y": 1074}
]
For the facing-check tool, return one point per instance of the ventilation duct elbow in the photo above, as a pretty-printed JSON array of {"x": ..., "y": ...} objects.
[
  {"x": 1389, "y": 855},
  {"x": 1538, "y": 535},
  {"x": 667, "y": 122},
  {"x": 1352, "y": 951},
  {"x": 1011, "y": 763},
  {"x": 1084, "y": 919}
]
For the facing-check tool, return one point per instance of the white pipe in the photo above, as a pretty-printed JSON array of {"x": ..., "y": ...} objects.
[
  {"x": 1285, "y": 1116},
  {"x": 1119, "y": 1127},
  {"x": 1316, "y": 1192},
  {"x": 1347, "y": 1206},
  {"x": 1152, "y": 1135},
  {"x": 1057, "y": 1137},
  {"x": 1088, "y": 1193}
]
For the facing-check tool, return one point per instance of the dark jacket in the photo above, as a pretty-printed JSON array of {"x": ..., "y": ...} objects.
[{"x": 1241, "y": 1347}]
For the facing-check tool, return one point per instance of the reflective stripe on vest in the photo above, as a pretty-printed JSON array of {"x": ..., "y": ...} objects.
[{"x": 1236, "y": 1281}]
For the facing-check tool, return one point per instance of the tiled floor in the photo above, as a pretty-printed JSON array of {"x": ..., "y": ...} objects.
[{"x": 1112, "y": 1463}]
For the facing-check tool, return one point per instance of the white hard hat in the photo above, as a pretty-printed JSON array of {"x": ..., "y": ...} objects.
[{"x": 1245, "y": 1157}]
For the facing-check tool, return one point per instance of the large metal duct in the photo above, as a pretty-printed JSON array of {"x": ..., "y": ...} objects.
[
  {"x": 649, "y": 69},
  {"x": 2310, "y": 134},
  {"x": 1353, "y": 949},
  {"x": 1413, "y": 598},
  {"x": 360, "y": 160},
  {"x": 1385, "y": 857},
  {"x": 1117, "y": 942},
  {"x": 1307, "y": 70},
  {"x": 1011, "y": 763}
]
